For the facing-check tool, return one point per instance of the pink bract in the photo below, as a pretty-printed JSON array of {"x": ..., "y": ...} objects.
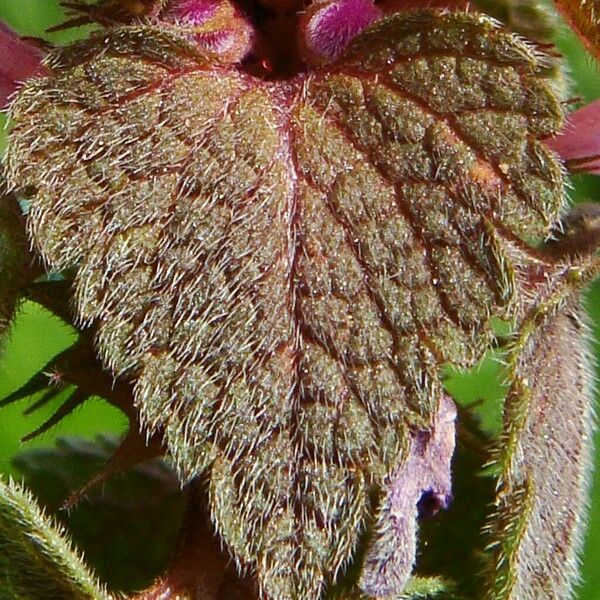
[
  {"x": 579, "y": 142},
  {"x": 19, "y": 60}
]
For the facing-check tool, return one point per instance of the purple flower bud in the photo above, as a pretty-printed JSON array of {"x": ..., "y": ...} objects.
[
  {"x": 194, "y": 11},
  {"x": 328, "y": 26},
  {"x": 19, "y": 60},
  {"x": 220, "y": 27},
  {"x": 579, "y": 142}
]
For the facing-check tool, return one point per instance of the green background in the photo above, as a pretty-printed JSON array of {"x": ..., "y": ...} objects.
[{"x": 37, "y": 336}]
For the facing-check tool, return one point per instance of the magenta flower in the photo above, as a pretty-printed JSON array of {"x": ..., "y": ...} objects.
[
  {"x": 19, "y": 60},
  {"x": 579, "y": 142}
]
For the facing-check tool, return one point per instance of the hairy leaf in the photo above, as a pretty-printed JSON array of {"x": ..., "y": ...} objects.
[
  {"x": 536, "y": 20},
  {"x": 37, "y": 560},
  {"x": 281, "y": 267},
  {"x": 545, "y": 459}
]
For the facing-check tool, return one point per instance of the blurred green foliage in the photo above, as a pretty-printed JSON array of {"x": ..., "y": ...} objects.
[{"x": 37, "y": 336}]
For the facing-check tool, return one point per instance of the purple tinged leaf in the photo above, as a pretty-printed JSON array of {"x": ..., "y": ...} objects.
[
  {"x": 423, "y": 481},
  {"x": 193, "y": 11},
  {"x": 281, "y": 267},
  {"x": 218, "y": 26}
]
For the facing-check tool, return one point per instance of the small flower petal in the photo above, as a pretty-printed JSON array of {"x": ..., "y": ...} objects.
[
  {"x": 578, "y": 144},
  {"x": 19, "y": 60},
  {"x": 421, "y": 487}
]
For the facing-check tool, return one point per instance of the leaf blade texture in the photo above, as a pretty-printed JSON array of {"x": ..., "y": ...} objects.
[
  {"x": 546, "y": 460},
  {"x": 37, "y": 560},
  {"x": 282, "y": 267}
]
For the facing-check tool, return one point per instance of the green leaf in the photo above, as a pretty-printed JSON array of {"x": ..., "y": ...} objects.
[
  {"x": 426, "y": 588},
  {"x": 417, "y": 588},
  {"x": 36, "y": 559}
]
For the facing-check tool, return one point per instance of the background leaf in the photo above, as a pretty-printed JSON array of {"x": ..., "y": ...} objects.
[
  {"x": 129, "y": 525},
  {"x": 36, "y": 558}
]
